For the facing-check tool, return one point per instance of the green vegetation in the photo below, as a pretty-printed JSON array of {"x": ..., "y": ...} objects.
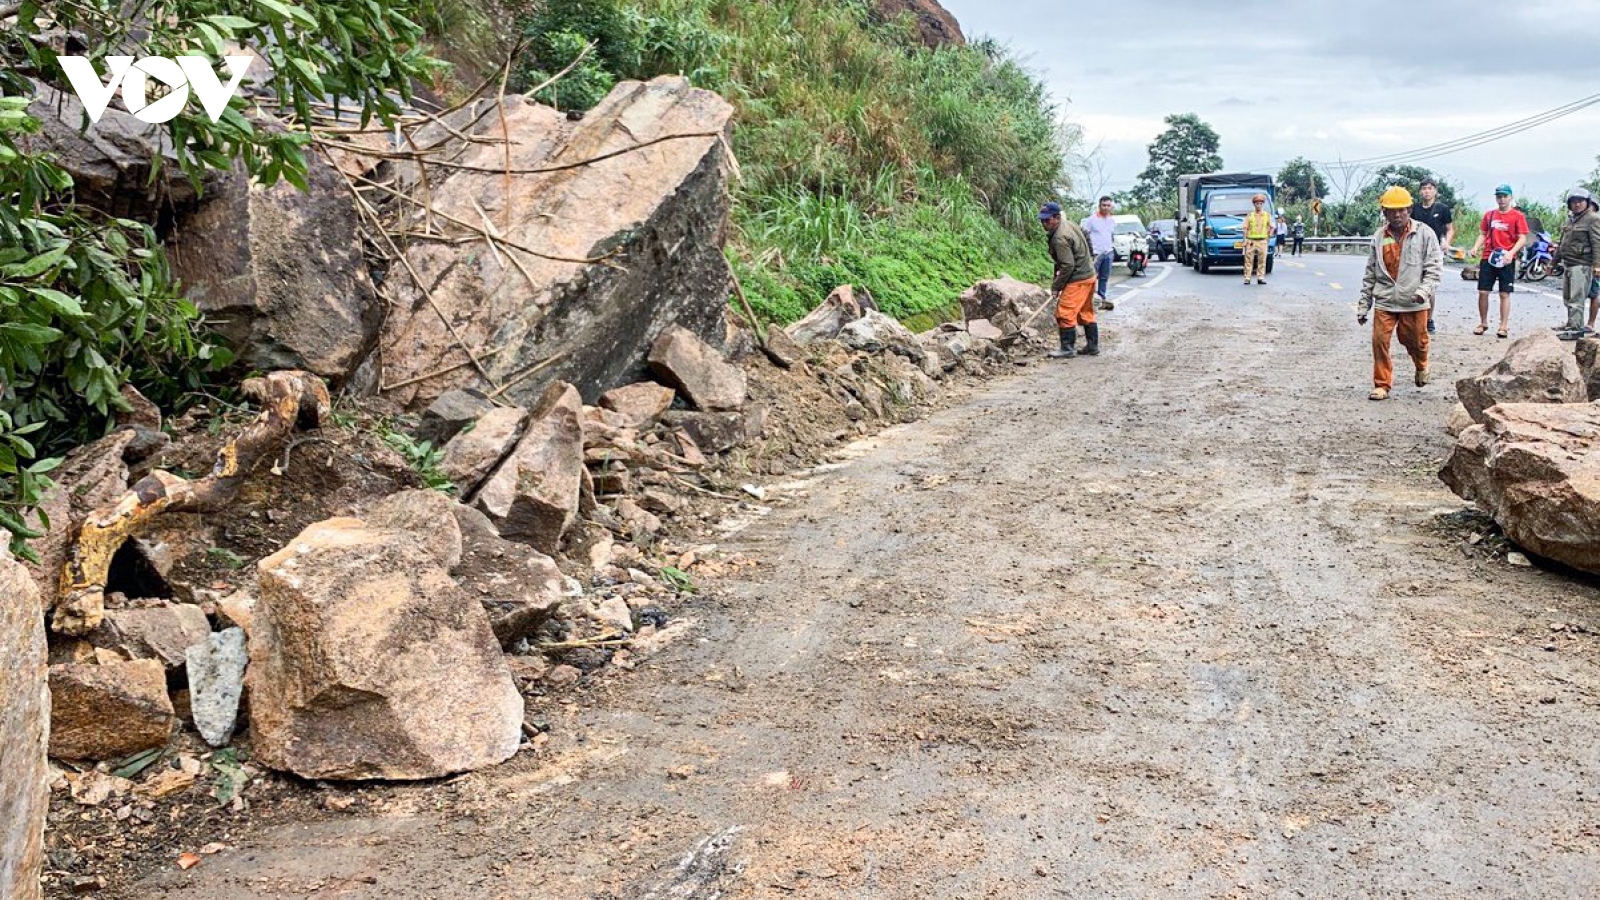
[
  {"x": 86, "y": 302},
  {"x": 867, "y": 159},
  {"x": 1188, "y": 145}
]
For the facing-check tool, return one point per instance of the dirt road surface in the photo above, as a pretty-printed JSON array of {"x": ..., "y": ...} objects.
[{"x": 1175, "y": 622}]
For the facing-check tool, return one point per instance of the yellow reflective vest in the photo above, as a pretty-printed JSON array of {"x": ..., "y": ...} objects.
[{"x": 1258, "y": 226}]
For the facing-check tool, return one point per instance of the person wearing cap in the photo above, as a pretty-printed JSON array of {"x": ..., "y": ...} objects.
[
  {"x": 1579, "y": 251},
  {"x": 1073, "y": 284},
  {"x": 1436, "y": 215},
  {"x": 1398, "y": 289},
  {"x": 1257, "y": 232},
  {"x": 1502, "y": 233}
]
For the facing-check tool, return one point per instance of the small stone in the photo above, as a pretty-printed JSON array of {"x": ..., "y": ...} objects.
[
  {"x": 216, "y": 682},
  {"x": 1518, "y": 559},
  {"x": 563, "y": 675}
]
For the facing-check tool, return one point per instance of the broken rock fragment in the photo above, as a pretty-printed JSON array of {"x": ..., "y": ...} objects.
[
  {"x": 697, "y": 370},
  {"x": 108, "y": 711},
  {"x": 533, "y": 496},
  {"x": 216, "y": 682}
]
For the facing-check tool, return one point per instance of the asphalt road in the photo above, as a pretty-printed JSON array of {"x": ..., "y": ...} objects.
[{"x": 1179, "y": 621}]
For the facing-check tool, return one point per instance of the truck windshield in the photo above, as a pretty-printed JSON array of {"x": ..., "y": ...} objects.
[{"x": 1232, "y": 205}]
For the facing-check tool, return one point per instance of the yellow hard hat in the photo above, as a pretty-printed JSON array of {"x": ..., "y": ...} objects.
[{"x": 1396, "y": 197}]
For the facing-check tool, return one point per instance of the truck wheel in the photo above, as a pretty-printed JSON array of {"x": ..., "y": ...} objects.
[{"x": 1204, "y": 265}]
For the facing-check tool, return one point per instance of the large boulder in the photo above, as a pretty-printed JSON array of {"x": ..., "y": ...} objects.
[
  {"x": 1536, "y": 369},
  {"x": 281, "y": 274},
  {"x": 24, "y": 732},
  {"x": 1535, "y": 468},
  {"x": 936, "y": 27},
  {"x": 119, "y": 165},
  {"x": 533, "y": 496},
  {"x": 698, "y": 371},
  {"x": 369, "y": 662},
  {"x": 110, "y": 710},
  {"x": 598, "y": 257}
]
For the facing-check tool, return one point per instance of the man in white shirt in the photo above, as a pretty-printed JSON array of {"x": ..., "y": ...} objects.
[{"x": 1099, "y": 228}]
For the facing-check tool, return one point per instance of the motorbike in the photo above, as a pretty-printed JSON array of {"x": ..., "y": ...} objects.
[
  {"x": 1538, "y": 261},
  {"x": 1138, "y": 254}
]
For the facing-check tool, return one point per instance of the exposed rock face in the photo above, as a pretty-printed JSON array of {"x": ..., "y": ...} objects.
[
  {"x": 108, "y": 711},
  {"x": 281, "y": 274},
  {"x": 639, "y": 405},
  {"x": 1587, "y": 353},
  {"x": 657, "y": 215},
  {"x": 698, "y": 371},
  {"x": 935, "y": 25},
  {"x": 1535, "y": 468},
  {"x": 368, "y": 662},
  {"x": 533, "y": 496},
  {"x": 823, "y": 323},
  {"x": 24, "y": 732},
  {"x": 1535, "y": 369},
  {"x": 111, "y": 162}
]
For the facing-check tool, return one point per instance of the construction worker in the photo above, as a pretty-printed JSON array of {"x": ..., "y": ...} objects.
[
  {"x": 1579, "y": 252},
  {"x": 1257, "y": 233},
  {"x": 1401, "y": 280},
  {"x": 1073, "y": 285}
]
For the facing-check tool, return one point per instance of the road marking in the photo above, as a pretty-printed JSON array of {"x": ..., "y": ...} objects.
[
  {"x": 1320, "y": 274},
  {"x": 1336, "y": 285},
  {"x": 1166, "y": 269}
]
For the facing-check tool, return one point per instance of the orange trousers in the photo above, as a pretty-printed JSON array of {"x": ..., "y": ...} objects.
[
  {"x": 1075, "y": 306},
  {"x": 1413, "y": 328}
]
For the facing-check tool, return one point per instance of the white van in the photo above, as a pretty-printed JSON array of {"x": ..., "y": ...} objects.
[{"x": 1122, "y": 235}]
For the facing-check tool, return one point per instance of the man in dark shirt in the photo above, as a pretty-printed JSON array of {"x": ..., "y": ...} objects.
[{"x": 1438, "y": 216}]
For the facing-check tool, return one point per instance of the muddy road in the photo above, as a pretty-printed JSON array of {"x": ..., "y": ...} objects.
[{"x": 1175, "y": 622}]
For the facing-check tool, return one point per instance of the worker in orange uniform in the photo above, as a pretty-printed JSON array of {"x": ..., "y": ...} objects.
[
  {"x": 1401, "y": 281},
  {"x": 1257, "y": 235},
  {"x": 1073, "y": 285}
]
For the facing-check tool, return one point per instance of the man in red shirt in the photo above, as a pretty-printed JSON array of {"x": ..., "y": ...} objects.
[{"x": 1502, "y": 235}]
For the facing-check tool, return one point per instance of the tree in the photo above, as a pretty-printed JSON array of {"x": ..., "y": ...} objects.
[
  {"x": 1188, "y": 145},
  {"x": 1593, "y": 181},
  {"x": 1300, "y": 182},
  {"x": 86, "y": 302},
  {"x": 1408, "y": 177}
]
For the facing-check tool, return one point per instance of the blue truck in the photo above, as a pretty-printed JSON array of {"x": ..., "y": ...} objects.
[{"x": 1211, "y": 211}]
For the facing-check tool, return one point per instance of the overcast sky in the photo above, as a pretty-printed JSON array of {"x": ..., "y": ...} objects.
[{"x": 1346, "y": 80}]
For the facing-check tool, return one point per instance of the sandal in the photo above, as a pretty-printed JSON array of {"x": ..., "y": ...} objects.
[
  {"x": 1481, "y": 329},
  {"x": 1501, "y": 333}
]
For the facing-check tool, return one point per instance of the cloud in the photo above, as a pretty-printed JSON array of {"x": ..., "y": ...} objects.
[{"x": 1350, "y": 80}]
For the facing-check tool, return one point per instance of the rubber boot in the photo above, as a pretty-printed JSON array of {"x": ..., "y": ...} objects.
[
  {"x": 1069, "y": 337},
  {"x": 1091, "y": 334}
]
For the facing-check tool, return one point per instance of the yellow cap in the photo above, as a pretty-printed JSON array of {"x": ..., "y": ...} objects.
[{"x": 1396, "y": 197}]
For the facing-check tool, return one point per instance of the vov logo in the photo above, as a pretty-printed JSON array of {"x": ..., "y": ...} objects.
[{"x": 182, "y": 75}]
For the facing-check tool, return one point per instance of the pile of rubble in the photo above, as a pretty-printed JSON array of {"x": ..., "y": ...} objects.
[
  {"x": 569, "y": 366},
  {"x": 402, "y": 638},
  {"x": 1528, "y": 447}
]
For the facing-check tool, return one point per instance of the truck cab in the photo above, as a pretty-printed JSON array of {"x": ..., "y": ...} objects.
[{"x": 1213, "y": 207}]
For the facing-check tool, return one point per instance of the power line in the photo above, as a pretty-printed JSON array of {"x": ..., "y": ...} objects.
[{"x": 1477, "y": 139}]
